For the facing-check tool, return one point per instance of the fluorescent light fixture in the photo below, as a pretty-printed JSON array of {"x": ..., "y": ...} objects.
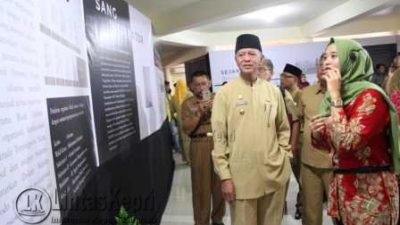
[{"x": 270, "y": 14}]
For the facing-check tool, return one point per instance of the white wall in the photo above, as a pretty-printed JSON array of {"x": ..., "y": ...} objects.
[{"x": 304, "y": 55}]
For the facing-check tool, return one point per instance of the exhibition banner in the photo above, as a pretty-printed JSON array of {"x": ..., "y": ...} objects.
[
  {"x": 72, "y": 144},
  {"x": 112, "y": 76},
  {"x": 149, "y": 82}
]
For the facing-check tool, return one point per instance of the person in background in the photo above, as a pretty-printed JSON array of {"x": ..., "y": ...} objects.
[
  {"x": 266, "y": 69},
  {"x": 358, "y": 123},
  {"x": 290, "y": 78},
  {"x": 266, "y": 72},
  {"x": 396, "y": 64},
  {"x": 167, "y": 88},
  {"x": 170, "y": 109},
  {"x": 394, "y": 91},
  {"x": 316, "y": 164},
  {"x": 206, "y": 185},
  {"x": 393, "y": 68},
  {"x": 303, "y": 81},
  {"x": 251, "y": 141},
  {"x": 181, "y": 93},
  {"x": 379, "y": 75}
]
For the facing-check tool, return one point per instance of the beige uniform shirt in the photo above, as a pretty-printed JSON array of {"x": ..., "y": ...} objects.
[
  {"x": 192, "y": 121},
  {"x": 291, "y": 106},
  {"x": 296, "y": 94},
  {"x": 251, "y": 137},
  {"x": 310, "y": 100}
]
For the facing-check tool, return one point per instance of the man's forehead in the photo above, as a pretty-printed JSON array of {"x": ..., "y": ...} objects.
[
  {"x": 243, "y": 50},
  {"x": 200, "y": 78},
  {"x": 286, "y": 74}
]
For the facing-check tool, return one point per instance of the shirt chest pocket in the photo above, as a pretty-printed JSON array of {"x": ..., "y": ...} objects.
[{"x": 268, "y": 112}]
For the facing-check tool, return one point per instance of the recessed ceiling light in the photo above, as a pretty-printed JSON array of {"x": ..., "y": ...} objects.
[{"x": 270, "y": 14}]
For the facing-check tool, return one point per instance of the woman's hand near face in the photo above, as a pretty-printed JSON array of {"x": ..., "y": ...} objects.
[{"x": 333, "y": 82}]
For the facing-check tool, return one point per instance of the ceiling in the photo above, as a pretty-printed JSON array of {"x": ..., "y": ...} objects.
[
  {"x": 294, "y": 13},
  {"x": 153, "y": 8},
  {"x": 214, "y": 24}
]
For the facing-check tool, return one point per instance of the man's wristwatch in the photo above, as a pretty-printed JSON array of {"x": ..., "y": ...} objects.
[{"x": 337, "y": 103}]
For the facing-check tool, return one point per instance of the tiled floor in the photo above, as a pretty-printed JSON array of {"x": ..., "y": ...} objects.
[{"x": 179, "y": 209}]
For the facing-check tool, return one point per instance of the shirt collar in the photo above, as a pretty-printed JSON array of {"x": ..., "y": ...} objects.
[
  {"x": 248, "y": 83},
  {"x": 294, "y": 91}
]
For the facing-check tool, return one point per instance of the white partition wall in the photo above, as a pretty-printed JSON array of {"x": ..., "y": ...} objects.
[{"x": 68, "y": 99}]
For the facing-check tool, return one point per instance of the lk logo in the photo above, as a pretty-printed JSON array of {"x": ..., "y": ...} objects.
[{"x": 33, "y": 206}]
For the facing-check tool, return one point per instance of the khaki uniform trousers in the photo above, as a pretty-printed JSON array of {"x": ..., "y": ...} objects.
[
  {"x": 185, "y": 145},
  {"x": 206, "y": 184},
  {"x": 315, "y": 183},
  {"x": 266, "y": 210},
  {"x": 296, "y": 160}
]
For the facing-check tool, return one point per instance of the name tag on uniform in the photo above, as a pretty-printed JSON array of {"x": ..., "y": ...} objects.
[
  {"x": 241, "y": 102},
  {"x": 194, "y": 109}
]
